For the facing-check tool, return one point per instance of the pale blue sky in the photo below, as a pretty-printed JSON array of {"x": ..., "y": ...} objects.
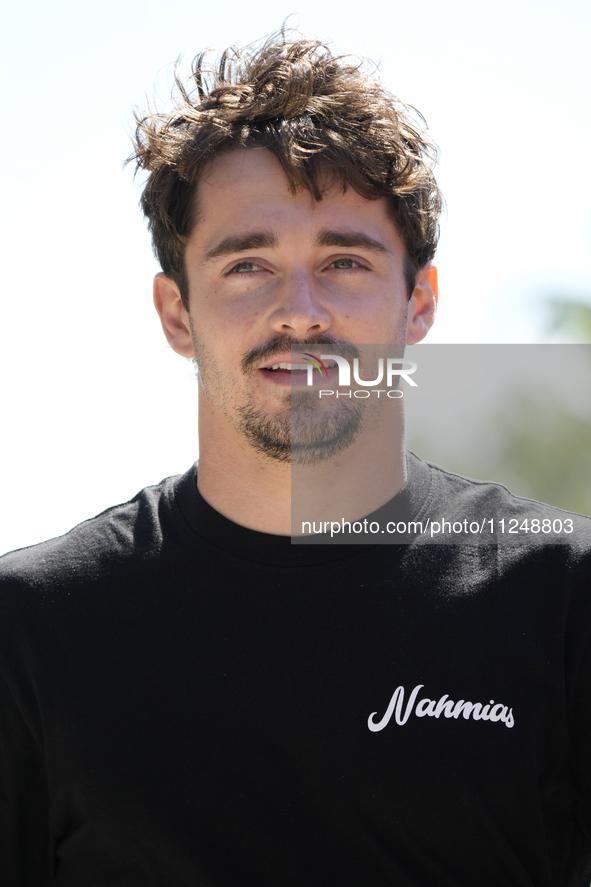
[{"x": 97, "y": 406}]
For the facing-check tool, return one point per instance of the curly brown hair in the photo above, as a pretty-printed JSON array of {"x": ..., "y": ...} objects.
[{"x": 315, "y": 112}]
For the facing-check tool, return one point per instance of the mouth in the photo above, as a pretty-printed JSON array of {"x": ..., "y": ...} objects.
[
  {"x": 291, "y": 372},
  {"x": 287, "y": 368}
]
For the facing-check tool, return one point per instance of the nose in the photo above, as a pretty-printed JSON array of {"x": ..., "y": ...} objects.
[{"x": 300, "y": 310}]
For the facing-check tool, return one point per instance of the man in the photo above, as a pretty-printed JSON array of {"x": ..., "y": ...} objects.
[{"x": 187, "y": 697}]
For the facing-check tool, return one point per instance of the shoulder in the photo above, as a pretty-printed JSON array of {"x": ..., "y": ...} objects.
[
  {"x": 132, "y": 529},
  {"x": 492, "y": 505},
  {"x": 524, "y": 569},
  {"x": 477, "y": 534}
]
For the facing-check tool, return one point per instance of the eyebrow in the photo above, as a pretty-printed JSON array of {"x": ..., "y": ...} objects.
[
  {"x": 241, "y": 243},
  {"x": 350, "y": 239},
  {"x": 266, "y": 240}
]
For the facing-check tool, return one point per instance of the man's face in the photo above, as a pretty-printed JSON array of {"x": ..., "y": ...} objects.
[{"x": 268, "y": 269}]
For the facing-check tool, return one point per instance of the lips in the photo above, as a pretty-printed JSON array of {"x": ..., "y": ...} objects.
[
  {"x": 284, "y": 362},
  {"x": 289, "y": 366},
  {"x": 288, "y": 371}
]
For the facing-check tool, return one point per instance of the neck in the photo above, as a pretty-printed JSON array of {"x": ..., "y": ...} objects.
[{"x": 268, "y": 496}]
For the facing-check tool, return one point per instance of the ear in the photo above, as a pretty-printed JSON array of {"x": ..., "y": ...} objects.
[
  {"x": 422, "y": 305},
  {"x": 174, "y": 317}
]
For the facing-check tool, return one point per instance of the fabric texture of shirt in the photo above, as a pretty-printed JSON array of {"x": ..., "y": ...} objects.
[{"x": 188, "y": 702}]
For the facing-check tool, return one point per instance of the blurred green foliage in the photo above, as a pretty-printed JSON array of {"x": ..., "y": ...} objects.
[
  {"x": 570, "y": 317},
  {"x": 535, "y": 438},
  {"x": 536, "y": 453}
]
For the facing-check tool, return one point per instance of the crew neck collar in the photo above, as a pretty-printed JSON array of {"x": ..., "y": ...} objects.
[{"x": 267, "y": 548}]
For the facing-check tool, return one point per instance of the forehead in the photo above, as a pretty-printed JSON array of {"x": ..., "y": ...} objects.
[{"x": 246, "y": 188}]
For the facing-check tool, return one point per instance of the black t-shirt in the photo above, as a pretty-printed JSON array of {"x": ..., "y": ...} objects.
[{"x": 188, "y": 702}]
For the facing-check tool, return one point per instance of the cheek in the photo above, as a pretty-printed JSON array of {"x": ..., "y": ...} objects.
[
  {"x": 378, "y": 323},
  {"x": 223, "y": 323}
]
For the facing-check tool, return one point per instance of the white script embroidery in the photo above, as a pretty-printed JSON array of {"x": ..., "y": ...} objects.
[{"x": 435, "y": 708}]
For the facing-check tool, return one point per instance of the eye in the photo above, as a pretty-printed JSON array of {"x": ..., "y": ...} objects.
[
  {"x": 346, "y": 264},
  {"x": 245, "y": 268}
]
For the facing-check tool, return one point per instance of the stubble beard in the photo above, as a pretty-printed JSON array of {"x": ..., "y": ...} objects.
[{"x": 306, "y": 435}]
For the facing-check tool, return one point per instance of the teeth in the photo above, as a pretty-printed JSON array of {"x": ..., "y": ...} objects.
[
  {"x": 295, "y": 366},
  {"x": 289, "y": 366}
]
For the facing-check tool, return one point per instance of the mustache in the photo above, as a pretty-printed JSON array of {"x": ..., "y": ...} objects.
[{"x": 280, "y": 344}]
